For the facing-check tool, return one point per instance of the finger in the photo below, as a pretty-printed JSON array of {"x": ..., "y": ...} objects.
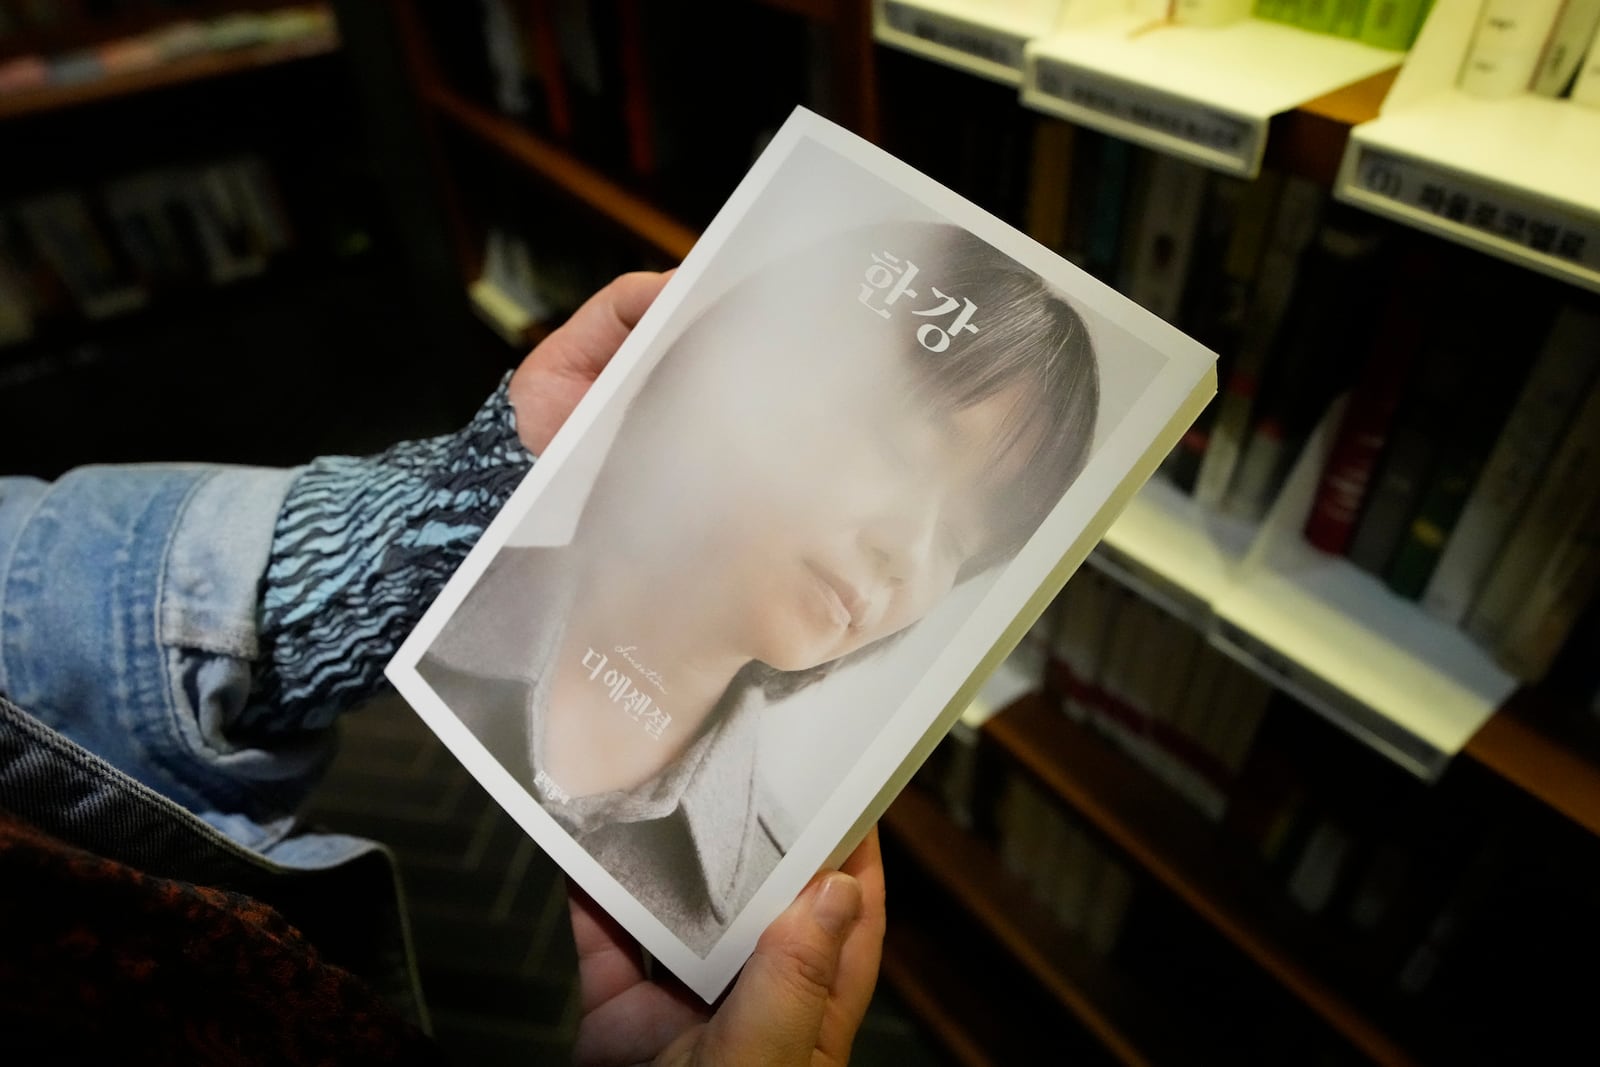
[
  {"x": 634, "y": 1026},
  {"x": 860, "y": 958},
  {"x": 608, "y": 960},
  {"x": 598, "y": 328},
  {"x": 775, "y": 1012}
]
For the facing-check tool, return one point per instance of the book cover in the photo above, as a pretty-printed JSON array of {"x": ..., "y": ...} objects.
[{"x": 829, "y": 481}]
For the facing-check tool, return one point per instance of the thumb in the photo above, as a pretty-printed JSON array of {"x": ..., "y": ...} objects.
[{"x": 774, "y": 1013}]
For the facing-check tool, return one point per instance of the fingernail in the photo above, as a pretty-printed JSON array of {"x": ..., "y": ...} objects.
[{"x": 837, "y": 904}]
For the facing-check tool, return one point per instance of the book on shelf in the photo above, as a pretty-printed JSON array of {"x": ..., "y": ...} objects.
[
  {"x": 907, "y": 425},
  {"x": 1506, "y": 46},
  {"x": 1553, "y": 515},
  {"x": 1564, "y": 49}
]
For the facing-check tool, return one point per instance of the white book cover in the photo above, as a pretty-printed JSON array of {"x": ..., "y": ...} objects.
[{"x": 841, "y": 465}]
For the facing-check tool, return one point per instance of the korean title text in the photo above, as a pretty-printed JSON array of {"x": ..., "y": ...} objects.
[
  {"x": 625, "y": 694},
  {"x": 888, "y": 280}
]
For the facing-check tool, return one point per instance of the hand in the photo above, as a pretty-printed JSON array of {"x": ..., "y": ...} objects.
[
  {"x": 560, "y": 369},
  {"x": 799, "y": 1000}
]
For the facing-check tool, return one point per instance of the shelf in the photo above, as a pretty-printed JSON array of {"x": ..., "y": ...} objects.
[
  {"x": 1548, "y": 764},
  {"x": 964, "y": 1015},
  {"x": 628, "y": 210},
  {"x": 1206, "y": 93},
  {"x": 1511, "y": 177},
  {"x": 1174, "y": 844},
  {"x": 971, "y": 35},
  {"x": 173, "y": 72},
  {"x": 1132, "y": 1028}
]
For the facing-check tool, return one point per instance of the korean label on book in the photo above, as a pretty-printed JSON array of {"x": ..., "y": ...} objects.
[
  {"x": 1211, "y": 137},
  {"x": 1538, "y": 226},
  {"x": 987, "y": 43}
]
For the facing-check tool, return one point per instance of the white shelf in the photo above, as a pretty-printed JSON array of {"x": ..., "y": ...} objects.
[
  {"x": 985, "y": 37},
  {"x": 1314, "y": 625},
  {"x": 1172, "y": 551},
  {"x": 1516, "y": 177},
  {"x": 1207, "y": 93}
]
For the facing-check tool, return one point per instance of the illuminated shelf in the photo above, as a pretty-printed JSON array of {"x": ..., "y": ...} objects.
[
  {"x": 1513, "y": 177},
  {"x": 973, "y": 35},
  {"x": 1206, "y": 93}
]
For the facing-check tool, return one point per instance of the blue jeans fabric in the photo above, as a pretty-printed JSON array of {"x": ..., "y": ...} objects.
[{"x": 128, "y": 608}]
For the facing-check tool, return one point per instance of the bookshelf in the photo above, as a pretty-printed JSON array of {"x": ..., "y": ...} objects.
[
  {"x": 1235, "y": 583},
  {"x": 168, "y": 74}
]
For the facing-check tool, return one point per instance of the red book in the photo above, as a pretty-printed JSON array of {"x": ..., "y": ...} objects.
[{"x": 1365, "y": 428}]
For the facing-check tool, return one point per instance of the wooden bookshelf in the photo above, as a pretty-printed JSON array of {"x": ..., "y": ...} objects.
[
  {"x": 1176, "y": 846},
  {"x": 1556, "y": 767},
  {"x": 1130, "y": 1026},
  {"x": 633, "y": 213},
  {"x": 961, "y": 1013},
  {"x": 189, "y": 69}
]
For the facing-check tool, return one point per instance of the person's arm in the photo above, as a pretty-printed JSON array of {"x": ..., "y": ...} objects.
[{"x": 363, "y": 545}]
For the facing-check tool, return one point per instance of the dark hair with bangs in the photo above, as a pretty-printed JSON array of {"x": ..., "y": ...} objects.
[{"x": 1029, "y": 336}]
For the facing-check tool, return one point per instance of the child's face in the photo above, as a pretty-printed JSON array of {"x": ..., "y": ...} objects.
[{"x": 819, "y": 509}]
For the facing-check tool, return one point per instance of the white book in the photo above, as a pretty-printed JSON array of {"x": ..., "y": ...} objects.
[
  {"x": 849, "y": 455},
  {"x": 1570, "y": 483},
  {"x": 1564, "y": 51},
  {"x": 1586, "y": 87},
  {"x": 1561, "y": 376},
  {"x": 1506, "y": 45}
]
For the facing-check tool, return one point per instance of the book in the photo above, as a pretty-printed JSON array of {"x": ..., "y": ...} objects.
[
  {"x": 1564, "y": 50},
  {"x": 1506, "y": 46},
  {"x": 830, "y": 480},
  {"x": 1561, "y": 377},
  {"x": 1375, "y": 399},
  {"x": 1567, "y": 490},
  {"x": 1391, "y": 23}
]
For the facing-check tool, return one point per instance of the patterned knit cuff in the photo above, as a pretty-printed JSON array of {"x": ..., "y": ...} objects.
[{"x": 361, "y": 547}]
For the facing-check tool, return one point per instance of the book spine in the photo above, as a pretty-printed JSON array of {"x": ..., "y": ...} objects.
[
  {"x": 1317, "y": 16},
  {"x": 1564, "y": 51},
  {"x": 1552, "y": 605},
  {"x": 1506, "y": 46},
  {"x": 1556, "y": 386},
  {"x": 1104, "y": 237},
  {"x": 1406, "y": 463},
  {"x": 1209, "y": 12},
  {"x": 1571, "y": 479},
  {"x": 1391, "y": 23},
  {"x": 1586, "y": 86},
  {"x": 1347, "y": 476},
  {"x": 1164, "y": 242},
  {"x": 1293, "y": 226},
  {"x": 1347, "y": 18},
  {"x": 1440, "y": 504},
  {"x": 1050, "y": 182}
]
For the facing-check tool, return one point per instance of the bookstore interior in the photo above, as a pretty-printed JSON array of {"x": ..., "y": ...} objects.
[{"x": 1303, "y": 765}]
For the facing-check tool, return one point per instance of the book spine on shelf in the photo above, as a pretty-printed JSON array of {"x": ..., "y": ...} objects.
[
  {"x": 1563, "y": 589},
  {"x": 1570, "y": 484},
  {"x": 1294, "y": 225},
  {"x": 1561, "y": 377},
  {"x": 1316, "y": 876},
  {"x": 1364, "y": 431},
  {"x": 1347, "y": 18},
  {"x": 1317, "y": 16},
  {"x": 1164, "y": 237},
  {"x": 1391, "y": 23},
  {"x": 1104, "y": 237},
  {"x": 1586, "y": 86},
  {"x": 1564, "y": 51},
  {"x": 1209, "y": 12},
  {"x": 1050, "y": 182},
  {"x": 1506, "y": 46}
]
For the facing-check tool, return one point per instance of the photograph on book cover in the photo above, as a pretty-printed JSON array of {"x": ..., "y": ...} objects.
[{"x": 864, "y": 428}]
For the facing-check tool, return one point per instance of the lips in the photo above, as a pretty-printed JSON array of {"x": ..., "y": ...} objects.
[{"x": 850, "y": 602}]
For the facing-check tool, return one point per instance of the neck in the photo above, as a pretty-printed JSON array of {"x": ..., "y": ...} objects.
[{"x": 599, "y": 737}]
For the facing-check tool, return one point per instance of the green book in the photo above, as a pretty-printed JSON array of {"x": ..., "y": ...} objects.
[
  {"x": 1290, "y": 11},
  {"x": 1347, "y": 16},
  {"x": 1318, "y": 15},
  {"x": 1391, "y": 23},
  {"x": 1269, "y": 9}
]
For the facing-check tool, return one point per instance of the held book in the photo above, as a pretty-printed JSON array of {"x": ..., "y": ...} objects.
[{"x": 842, "y": 464}]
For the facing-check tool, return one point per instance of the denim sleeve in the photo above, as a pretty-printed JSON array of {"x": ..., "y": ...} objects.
[{"x": 360, "y": 548}]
